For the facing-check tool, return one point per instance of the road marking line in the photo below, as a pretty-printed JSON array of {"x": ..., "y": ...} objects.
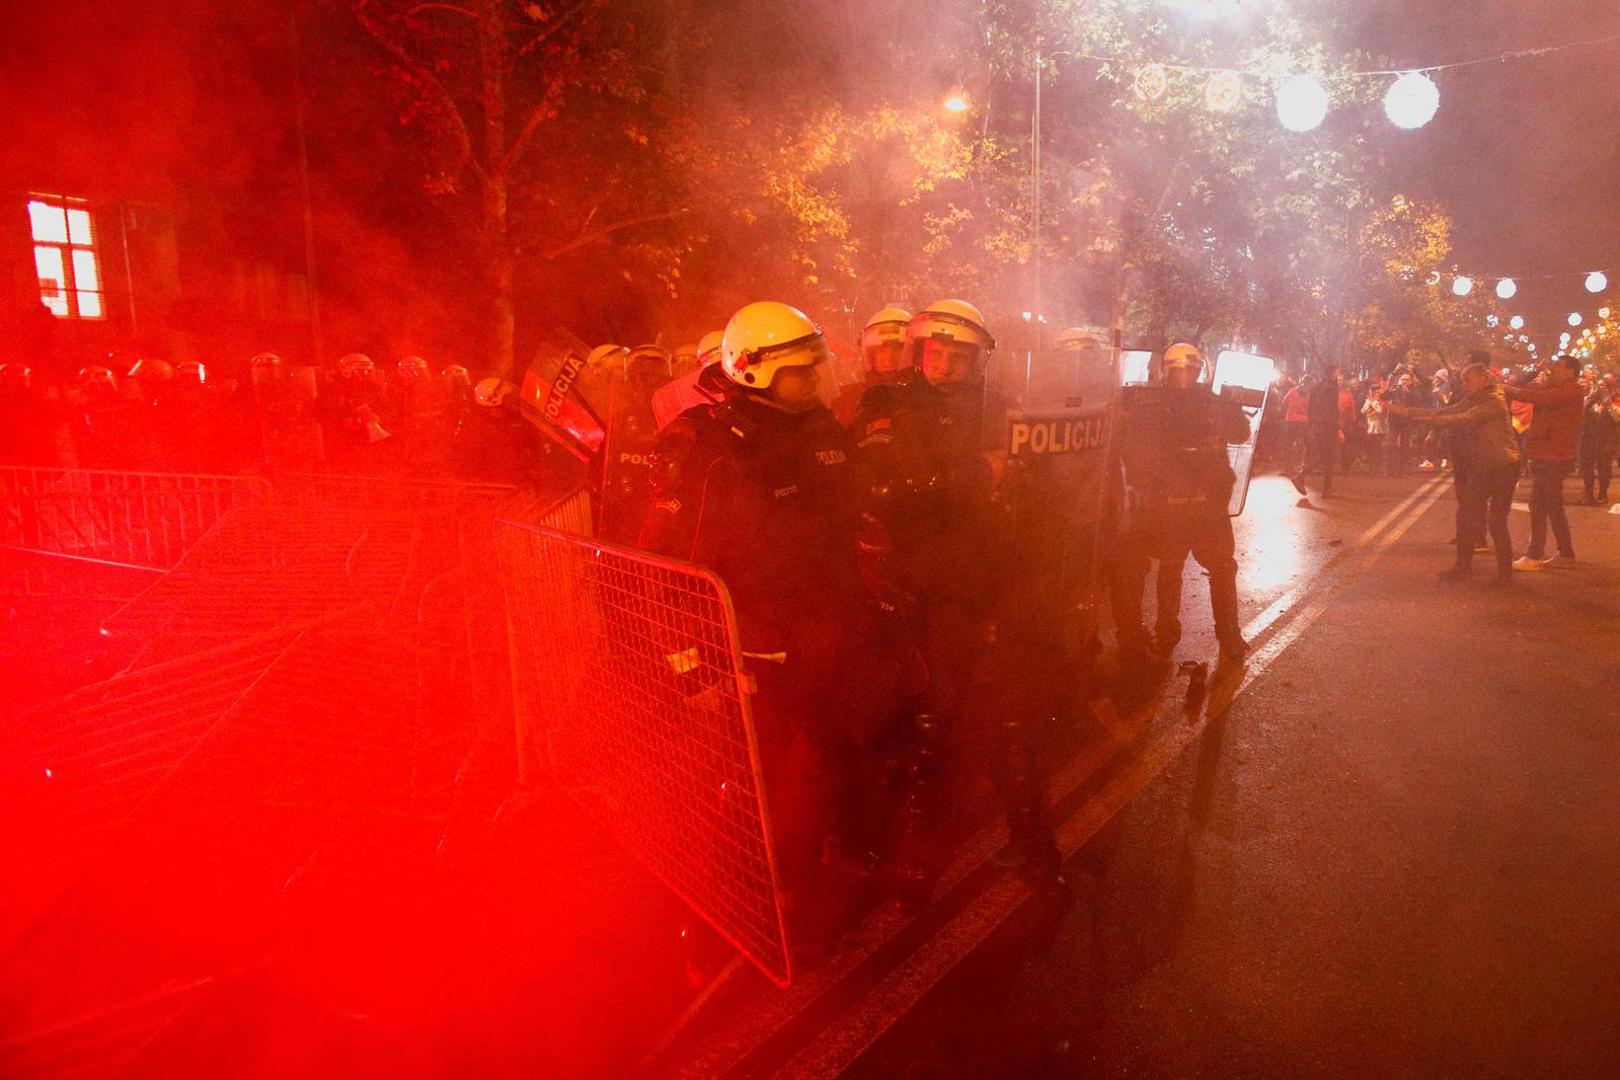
[{"x": 841, "y": 1044}]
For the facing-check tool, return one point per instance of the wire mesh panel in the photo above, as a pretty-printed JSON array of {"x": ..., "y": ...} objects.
[
  {"x": 72, "y": 772},
  {"x": 133, "y": 518},
  {"x": 627, "y": 682},
  {"x": 43, "y": 574},
  {"x": 264, "y": 568}
]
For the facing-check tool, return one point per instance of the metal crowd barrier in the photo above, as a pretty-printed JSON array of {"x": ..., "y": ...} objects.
[
  {"x": 135, "y": 519},
  {"x": 628, "y": 685}
]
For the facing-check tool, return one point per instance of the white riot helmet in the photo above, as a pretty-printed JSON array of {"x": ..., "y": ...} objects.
[
  {"x": 764, "y": 337},
  {"x": 1078, "y": 339},
  {"x": 356, "y": 366},
  {"x": 1182, "y": 366},
  {"x": 412, "y": 367},
  {"x": 709, "y": 347},
  {"x": 952, "y": 322},
  {"x": 883, "y": 341}
]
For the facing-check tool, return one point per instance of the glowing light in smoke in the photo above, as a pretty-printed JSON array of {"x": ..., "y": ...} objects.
[
  {"x": 1574, "y": 318},
  {"x": 1463, "y": 286},
  {"x": 1506, "y": 289},
  {"x": 1597, "y": 281},
  {"x": 1302, "y": 103},
  {"x": 1603, "y": 313},
  {"x": 956, "y": 103},
  {"x": 1223, "y": 91},
  {"x": 1412, "y": 100},
  {"x": 1517, "y": 322}
]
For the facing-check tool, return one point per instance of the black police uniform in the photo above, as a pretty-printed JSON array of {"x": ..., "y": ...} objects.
[
  {"x": 922, "y": 453},
  {"x": 1179, "y": 480},
  {"x": 768, "y": 501}
]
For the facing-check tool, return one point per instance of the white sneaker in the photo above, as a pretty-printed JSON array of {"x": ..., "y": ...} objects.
[
  {"x": 1526, "y": 563},
  {"x": 1429, "y": 465}
]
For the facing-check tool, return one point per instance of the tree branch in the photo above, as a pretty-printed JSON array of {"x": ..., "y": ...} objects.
[
  {"x": 442, "y": 7},
  {"x": 588, "y": 237},
  {"x": 515, "y": 152},
  {"x": 557, "y": 24},
  {"x": 447, "y": 102}
]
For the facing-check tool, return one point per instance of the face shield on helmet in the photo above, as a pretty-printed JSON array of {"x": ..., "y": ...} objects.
[
  {"x": 150, "y": 370},
  {"x": 1183, "y": 366},
  {"x": 99, "y": 379},
  {"x": 647, "y": 365},
  {"x": 412, "y": 367},
  {"x": 609, "y": 360},
  {"x": 356, "y": 366},
  {"x": 883, "y": 341},
  {"x": 1076, "y": 339},
  {"x": 456, "y": 377},
  {"x": 709, "y": 347},
  {"x": 768, "y": 342},
  {"x": 16, "y": 377},
  {"x": 948, "y": 342}
]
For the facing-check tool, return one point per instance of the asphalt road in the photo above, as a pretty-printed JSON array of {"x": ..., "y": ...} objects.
[{"x": 1392, "y": 854}]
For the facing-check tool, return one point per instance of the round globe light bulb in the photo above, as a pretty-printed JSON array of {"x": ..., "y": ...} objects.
[
  {"x": 1506, "y": 289},
  {"x": 1302, "y": 103},
  {"x": 1574, "y": 318},
  {"x": 1463, "y": 286},
  {"x": 1517, "y": 322},
  {"x": 1411, "y": 100},
  {"x": 1597, "y": 281}
]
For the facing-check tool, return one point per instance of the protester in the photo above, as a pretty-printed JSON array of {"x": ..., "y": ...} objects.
[
  {"x": 1487, "y": 468},
  {"x": 1550, "y": 442}
]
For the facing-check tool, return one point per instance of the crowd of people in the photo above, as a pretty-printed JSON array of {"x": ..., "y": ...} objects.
[
  {"x": 1491, "y": 426},
  {"x": 139, "y": 413},
  {"x": 869, "y": 530}
]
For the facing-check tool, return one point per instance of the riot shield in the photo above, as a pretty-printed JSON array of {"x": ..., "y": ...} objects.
[
  {"x": 1246, "y": 379},
  {"x": 565, "y": 398},
  {"x": 627, "y": 460},
  {"x": 1136, "y": 367},
  {"x": 1058, "y": 443}
]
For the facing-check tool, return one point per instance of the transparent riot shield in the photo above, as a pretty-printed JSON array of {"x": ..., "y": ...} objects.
[
  {"x": 1246, "y": 379},
  {"x": 565, "y": 397},
  {"x": 1058, "y": 442},
  {"x": 1136, "y": 367},
  {"x": 632, "y": 432}
]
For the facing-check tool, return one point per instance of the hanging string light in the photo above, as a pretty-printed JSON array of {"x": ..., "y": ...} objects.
[
  {"x": 1151, "y": 82},
  {"x": 1223, "y": 91},
  {"x": 1411, "y": 100},
  {"x": 1302, "y": 103}
]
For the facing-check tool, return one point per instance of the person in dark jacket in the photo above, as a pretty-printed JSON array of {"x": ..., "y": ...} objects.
[
  {"x": 1599, "y": 439},
  {"x": 1324, "y": 431},
  {"x": 1487, "y": 462},
  {"x": 1550, "y": 444}
]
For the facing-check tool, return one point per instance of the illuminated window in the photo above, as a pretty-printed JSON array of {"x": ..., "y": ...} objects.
[{"x": 65, "y": 259}]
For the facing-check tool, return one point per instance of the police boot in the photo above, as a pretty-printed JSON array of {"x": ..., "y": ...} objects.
[
  {"x": 1032, "y": 848},
  {"x": 916, "y": 862}
]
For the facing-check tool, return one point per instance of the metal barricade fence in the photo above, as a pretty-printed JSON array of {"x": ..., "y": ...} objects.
[
  {"x": 128, "y": 518},
  {"x": 627, "y": 682}
]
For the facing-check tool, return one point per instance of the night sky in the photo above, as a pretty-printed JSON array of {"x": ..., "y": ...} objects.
[{"x": 1525, "y": 154}]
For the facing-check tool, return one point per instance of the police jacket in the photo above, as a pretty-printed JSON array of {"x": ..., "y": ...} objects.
[
  {"x": 1173, "y": 445},
  {"x": 765, "y": 499},
  {"x": 922, "y": 460}
]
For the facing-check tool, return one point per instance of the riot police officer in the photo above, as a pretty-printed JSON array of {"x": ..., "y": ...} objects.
[
  {"x": 760, "y": 488},
  {"x": 928, "y": 444},
  {"x": 1178, "y": 481}
]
